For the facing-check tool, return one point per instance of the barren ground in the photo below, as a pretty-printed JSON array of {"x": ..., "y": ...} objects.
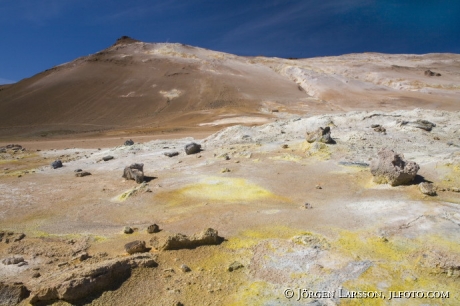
[
  {"x": 295, "y": 215},
  {"x": 358, "y": 235}
]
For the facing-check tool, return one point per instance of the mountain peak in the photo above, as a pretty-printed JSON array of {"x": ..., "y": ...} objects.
[{"x": 125, "y": 40}]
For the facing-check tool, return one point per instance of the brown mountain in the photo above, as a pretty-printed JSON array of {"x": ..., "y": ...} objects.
[{"x": 137, "y": 87}]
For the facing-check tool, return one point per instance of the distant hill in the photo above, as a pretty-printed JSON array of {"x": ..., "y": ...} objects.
[{"x": 137, "y": 87}]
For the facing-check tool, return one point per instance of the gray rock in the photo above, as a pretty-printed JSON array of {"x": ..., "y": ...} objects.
[
  {"x": 380, "y": 129},
  {"x": 320, "y": 135},
  {"x": 82, "y": 174},
  {"x": 12, "y": 294},
  {"x": 128, "y": 230},
  {"x": 431, "y": 73},
  {"x": 108, "y": 157},
  {"x": 56, "y": 164},
  {"x": 8, "y": 237},
  {"x": 134, "y": 172},
  {"x": 154, "y": 228},
  {"x": 136, "y": 246},
  {"x": 192, "y": 148},
  {"x": 12, "y": 260},
  {"x": 180, "y": 241},
  {"x": 427, "y": 188},
  {"x": 129, "y": 142},
  {"x": 171, "y": 154},
  {"x": 235, "y": 266},
  {"x": 420, "y": 124},
  {"x": 393, "y": 169}
]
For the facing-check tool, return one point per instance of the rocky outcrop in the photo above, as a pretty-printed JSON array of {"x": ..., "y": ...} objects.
[
  {"x": 192, "y": 148},
  {"x": 431, "y": 73},
  {"x": 77, "y": 283},
  {"x": 180, "y": 241},
  {"x": 393, "y": 169},
  {"x": 8, "y": 236},
  {"x": 134, "y": 172},
  {"x": 320, "y": 135},
  {"x": 12, "y": 294},
  {"x": 136, "y": 246},
  {"x": 12, "y": 260},
  {"x": 420, "y": 124}
]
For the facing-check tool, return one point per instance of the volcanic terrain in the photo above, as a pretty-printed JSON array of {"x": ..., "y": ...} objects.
[{"x": 259, "y": 210}]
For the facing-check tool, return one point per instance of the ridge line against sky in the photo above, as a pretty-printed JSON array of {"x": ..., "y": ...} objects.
[{"x": 38, "y": 35}]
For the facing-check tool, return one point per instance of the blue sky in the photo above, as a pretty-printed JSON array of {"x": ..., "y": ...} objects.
[{"x": 39, "y": 34}]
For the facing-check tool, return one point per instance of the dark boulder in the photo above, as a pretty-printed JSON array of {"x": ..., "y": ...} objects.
[
  {"x": 134, "y": 172},
  {"x": 192, "y": 148},
  {"x": 56, "y": 164}
]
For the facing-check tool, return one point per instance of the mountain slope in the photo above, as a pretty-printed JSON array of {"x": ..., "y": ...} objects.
[{"x": 136, "y": 87}]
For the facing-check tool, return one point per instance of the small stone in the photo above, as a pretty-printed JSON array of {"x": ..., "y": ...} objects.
[
  {"x": 380, "y": 129},
  {"x": 81, "y": 257},
  {"x": 82, "y": 174},
  {"x": 78, "y": 170},
  {"x": 235, "y": 266},
  {"x": 375, "y": 126},
  {"x": 185, "y": 268},
  {"x": 56, "y": 164},
  {"x": 62, "y": 264},
  {"x": 225, "y": 170},
  {"x": 108, "y": 157},
  {"x": 318, "y": 187},
  {"x": 36, "y": 275},
  {"x": 128, "y": 230},
  {"x": 129, "y": 142},
  {"x": 154, "y": 228},
  {"x": 454, "y": 189},
  {"x": 307, "y": 206},
  {"x": 427, "y": 188},
  {"x": 171, "y": 154},
  {"x": 285, "y": 146}
]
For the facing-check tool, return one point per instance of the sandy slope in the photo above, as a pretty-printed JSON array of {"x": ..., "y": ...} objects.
[{"x": 135, "y": 87}]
